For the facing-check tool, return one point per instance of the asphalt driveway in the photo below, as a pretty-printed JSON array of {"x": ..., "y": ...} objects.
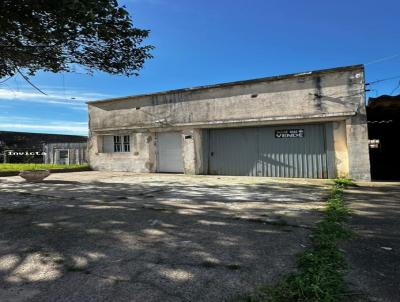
[
  {"x": 374, "y": 253},
  {"x": 92, "y": 236}
]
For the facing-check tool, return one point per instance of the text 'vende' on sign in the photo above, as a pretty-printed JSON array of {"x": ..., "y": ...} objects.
[{"x": 289, "y": 133}]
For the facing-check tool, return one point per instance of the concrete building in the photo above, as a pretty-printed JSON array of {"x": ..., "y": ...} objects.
[
  {"x": 65, "y": 153},
  {"x": 19, "y": 147},
  {"x": 310, "y": 124}
]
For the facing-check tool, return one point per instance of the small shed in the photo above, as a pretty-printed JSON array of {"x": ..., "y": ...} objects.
[{"x": 65, "y": 153}]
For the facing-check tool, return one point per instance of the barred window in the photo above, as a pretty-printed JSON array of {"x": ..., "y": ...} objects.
[
  {"x": 116, "y": 143},
  {"x": 127, "y": 144}
]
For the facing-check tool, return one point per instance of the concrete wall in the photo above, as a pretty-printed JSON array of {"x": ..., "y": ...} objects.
[
  {"x": 340, "y": 149},
  {"x": 326, "y": 96},
  {"x": 298, "y": 96},
  {"x": 357, "y": 139},
  {"x": 358, "y": 151},
  {"x": 142, "y": 157},
  {"x": 192, "y": 151}
]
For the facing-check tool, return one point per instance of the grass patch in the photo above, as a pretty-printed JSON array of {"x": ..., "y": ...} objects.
[
  {"x": 19, "y": 167},
  {"x": 320, "y": 270},
  {"x": 345, "y": 182}
]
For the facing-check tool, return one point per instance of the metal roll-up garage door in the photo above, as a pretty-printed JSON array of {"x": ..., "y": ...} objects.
[
  {"x": 169, "y": 146},
  {"x": 284, "y": 151}
]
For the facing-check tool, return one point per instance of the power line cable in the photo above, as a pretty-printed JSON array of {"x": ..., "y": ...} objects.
[
  {"x": 29, "y": 82},
  {"x": 395, "y": 88},
  {"x": 3, "y": 81},
  {"x": 382, "y": 80},
  {"x": 383, "y": 59}
]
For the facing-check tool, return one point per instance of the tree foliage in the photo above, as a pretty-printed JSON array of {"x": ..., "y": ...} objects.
[{"x": 54, "y": 35}]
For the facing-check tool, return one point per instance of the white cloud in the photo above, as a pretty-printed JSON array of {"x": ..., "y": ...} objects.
[
  {"x": 46, "y": 128},
  {"x": 74, "y": 99},
  {"x": 49, "y": 126}
]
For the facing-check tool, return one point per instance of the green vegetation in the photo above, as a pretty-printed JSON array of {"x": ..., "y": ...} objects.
[
  {"x": 320, "y": 269},
  {"x": 345, "y": 182},
  {"x": 55, "y": 36},
  {"x": 20, "y": 167}
]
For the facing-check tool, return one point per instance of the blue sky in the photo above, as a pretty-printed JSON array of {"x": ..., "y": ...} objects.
[{"x": 206, "y": 42}]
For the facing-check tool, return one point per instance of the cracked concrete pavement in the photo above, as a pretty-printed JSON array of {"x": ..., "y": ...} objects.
[{"x": 117, "y": 236}]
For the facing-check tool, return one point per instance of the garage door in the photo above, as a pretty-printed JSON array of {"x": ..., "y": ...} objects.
[
  {"x": 169, "y": 145},
  {"x": 287, "y": 151}
]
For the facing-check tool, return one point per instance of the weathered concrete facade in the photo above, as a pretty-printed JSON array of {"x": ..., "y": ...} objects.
[{"x": 334, "y": 97}]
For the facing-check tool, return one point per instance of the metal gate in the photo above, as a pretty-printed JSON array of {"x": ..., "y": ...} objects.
[
  {"x": 284, "y": 151},
  {"x": 169, "y": 145}
]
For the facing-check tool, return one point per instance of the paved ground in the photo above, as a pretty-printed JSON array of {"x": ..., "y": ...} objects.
[
  {"x": 93, "y": 236},
  {"x": 374, "y": 255}
]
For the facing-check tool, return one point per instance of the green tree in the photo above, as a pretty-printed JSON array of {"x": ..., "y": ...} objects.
[{"x": 54, "y": 35}]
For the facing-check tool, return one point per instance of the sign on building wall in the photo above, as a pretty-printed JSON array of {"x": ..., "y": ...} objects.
[{"x": 289, "y": 133}]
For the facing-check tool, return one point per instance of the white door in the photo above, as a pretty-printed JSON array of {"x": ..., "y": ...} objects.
[{"x": 170, "y": 152}]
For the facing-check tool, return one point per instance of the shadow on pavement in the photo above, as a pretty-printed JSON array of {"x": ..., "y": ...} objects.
[{"x": 150, "y": 239}]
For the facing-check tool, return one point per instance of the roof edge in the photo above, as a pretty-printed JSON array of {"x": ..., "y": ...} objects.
[{"x": 234, "y": 83}]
